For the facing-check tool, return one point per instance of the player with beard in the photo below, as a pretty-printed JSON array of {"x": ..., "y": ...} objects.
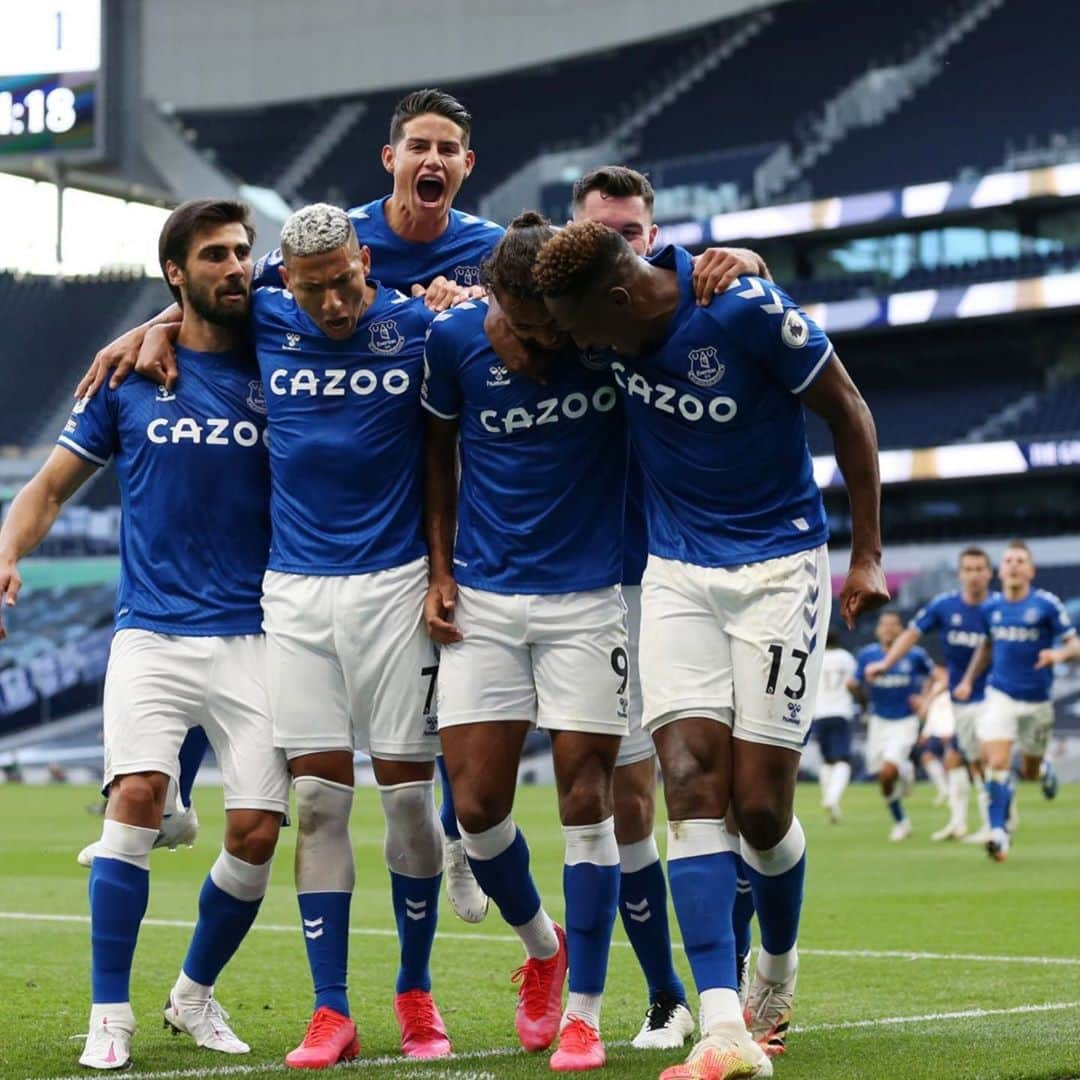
[
  {"x": 420, "y": 245},
  {"x": 188, "y": 648},
  {"x": 736, "y": 594}
]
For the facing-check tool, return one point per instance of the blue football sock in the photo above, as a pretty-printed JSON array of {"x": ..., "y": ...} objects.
[
  {"x": 223, "y": 923},
  {"x": 776, "y": 877},
  {"x": 591, "y": 889},
  {"x": 416, "y": 910},
  {"x": 896, "y": 808},
  {"x": 446, "y": 811},
  {"x": 702, "y": 883},
  {"x": 118, "y": 896},
  {"x": 643, "y": 908},
  {"x": 325, "y": 918},
  {"x": 743, "y": 912},
  {"x": 192, "y": 752},
  {"x": 506, "y": 879},
  {"x": 1001, "y": 793}
]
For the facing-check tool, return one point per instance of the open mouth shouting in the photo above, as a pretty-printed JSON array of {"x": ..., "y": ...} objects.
[{"x": 429, "y": 189}]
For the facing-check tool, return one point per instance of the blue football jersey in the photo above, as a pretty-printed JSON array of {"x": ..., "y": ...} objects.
[
  {"x": 635, "y": 540},
  {"x": 346, "y": 435},
  {"x": 718, "y": 426},
  {"x": 543, "y": 468},
  {"x": 194, "y": 493},
  {"x": 962, "y": 629},
  {"x": 890, "y": 691},
  {"x": 399, "y": 264},
  {"x": 1020, "y": 630}
]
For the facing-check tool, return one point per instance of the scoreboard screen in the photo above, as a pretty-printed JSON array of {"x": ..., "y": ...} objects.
[{"x": 50, "y": 78}]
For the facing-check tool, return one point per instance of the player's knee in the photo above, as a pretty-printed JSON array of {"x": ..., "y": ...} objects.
[
  {"x": 139, "y": 798},
  {"x": 693, "y": 788},
  {"x": 586, "y": 799},
  {"x": 762, "y": 821},
  {"x": 480, "y": 808},
  {"x": 322, "y": 804},
  {"x": 635, "y": 811},
  {"x": 254, "y": 837},
  {"x": 413, "y": 844}
]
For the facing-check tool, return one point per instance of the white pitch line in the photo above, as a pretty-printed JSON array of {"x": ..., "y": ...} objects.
[
  {"x": 516, "y": 1051},
  {"x": 457, "y": 935}
]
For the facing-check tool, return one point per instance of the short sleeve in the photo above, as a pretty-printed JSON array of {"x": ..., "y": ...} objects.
[
  {"x": 266, "y": 271},
  {"x": 764, "y": 318},
  {"x": 1060, "y": 622},
  {"x": 927, "y": 618},
  {"x": 91, "y": 429},
  {"x": 440, "y": 393}
]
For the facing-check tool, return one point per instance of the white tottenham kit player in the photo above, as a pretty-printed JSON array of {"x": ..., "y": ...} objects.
[
  {"x": 736, "y": 593},
  {"x": 832, "y": 724},
  {"x": 957, "y": 618},
  {"x": 1027, "y": 631},
  {"x": 188, "y": 648}
]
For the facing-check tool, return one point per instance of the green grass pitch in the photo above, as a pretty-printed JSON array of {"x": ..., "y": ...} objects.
[{"x": 919, "y": 960}]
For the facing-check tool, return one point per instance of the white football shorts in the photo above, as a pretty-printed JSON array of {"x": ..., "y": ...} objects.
[
  {"x": 940, "y": 719},
  {"x": 890, "y": 741},
  {"x": 558, "y": 661},
  {"x": 350, "y": 663},
  {"x": 159, "y": 685},
  {"x": 966, "y": 716},
  {"x": 1029, "y": 724},
  {"x": 638, "y": 744},
  {"x": 741, "y": 645}
]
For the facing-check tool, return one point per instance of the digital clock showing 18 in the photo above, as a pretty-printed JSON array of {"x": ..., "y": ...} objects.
[{"x": 50, "y": 74}]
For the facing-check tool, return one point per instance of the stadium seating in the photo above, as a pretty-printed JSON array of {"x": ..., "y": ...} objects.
[
  {"x": 1056, "y": 413},
  {"x": 564, "y": 102},
  {"x": 1001, "y": 84},
  {"x": 52, "y": 327},
  {"x": 821, "y": 290},
  {"x": 769, "y": 88},
  {"x": 54, "y": 662}
]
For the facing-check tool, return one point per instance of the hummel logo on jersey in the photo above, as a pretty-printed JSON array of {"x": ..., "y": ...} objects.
[
  {"x": 386, "y": 339},
  {"x": 705, "y": 369},
  {"x": 256, "y": 399},
  {"x": 292, "y": 342},
  {"x": 499, "y": 375},
  {"x": 164, "y": 394},
  {"x": 1031, "y": 615},
  {"x": 957, "y": 619},
  {"x": 467, "y": 275},
  {"x": 793, "y": 330}
]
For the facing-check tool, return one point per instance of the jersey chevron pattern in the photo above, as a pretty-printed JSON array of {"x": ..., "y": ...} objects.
[{"x": 718, "y": 428}]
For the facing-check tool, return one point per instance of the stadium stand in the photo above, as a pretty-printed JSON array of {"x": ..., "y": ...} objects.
[
  {"x": 55, "y": 661},
  {"x": 52, "y": 326},
  {"x": 1029, "y": 100}
]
